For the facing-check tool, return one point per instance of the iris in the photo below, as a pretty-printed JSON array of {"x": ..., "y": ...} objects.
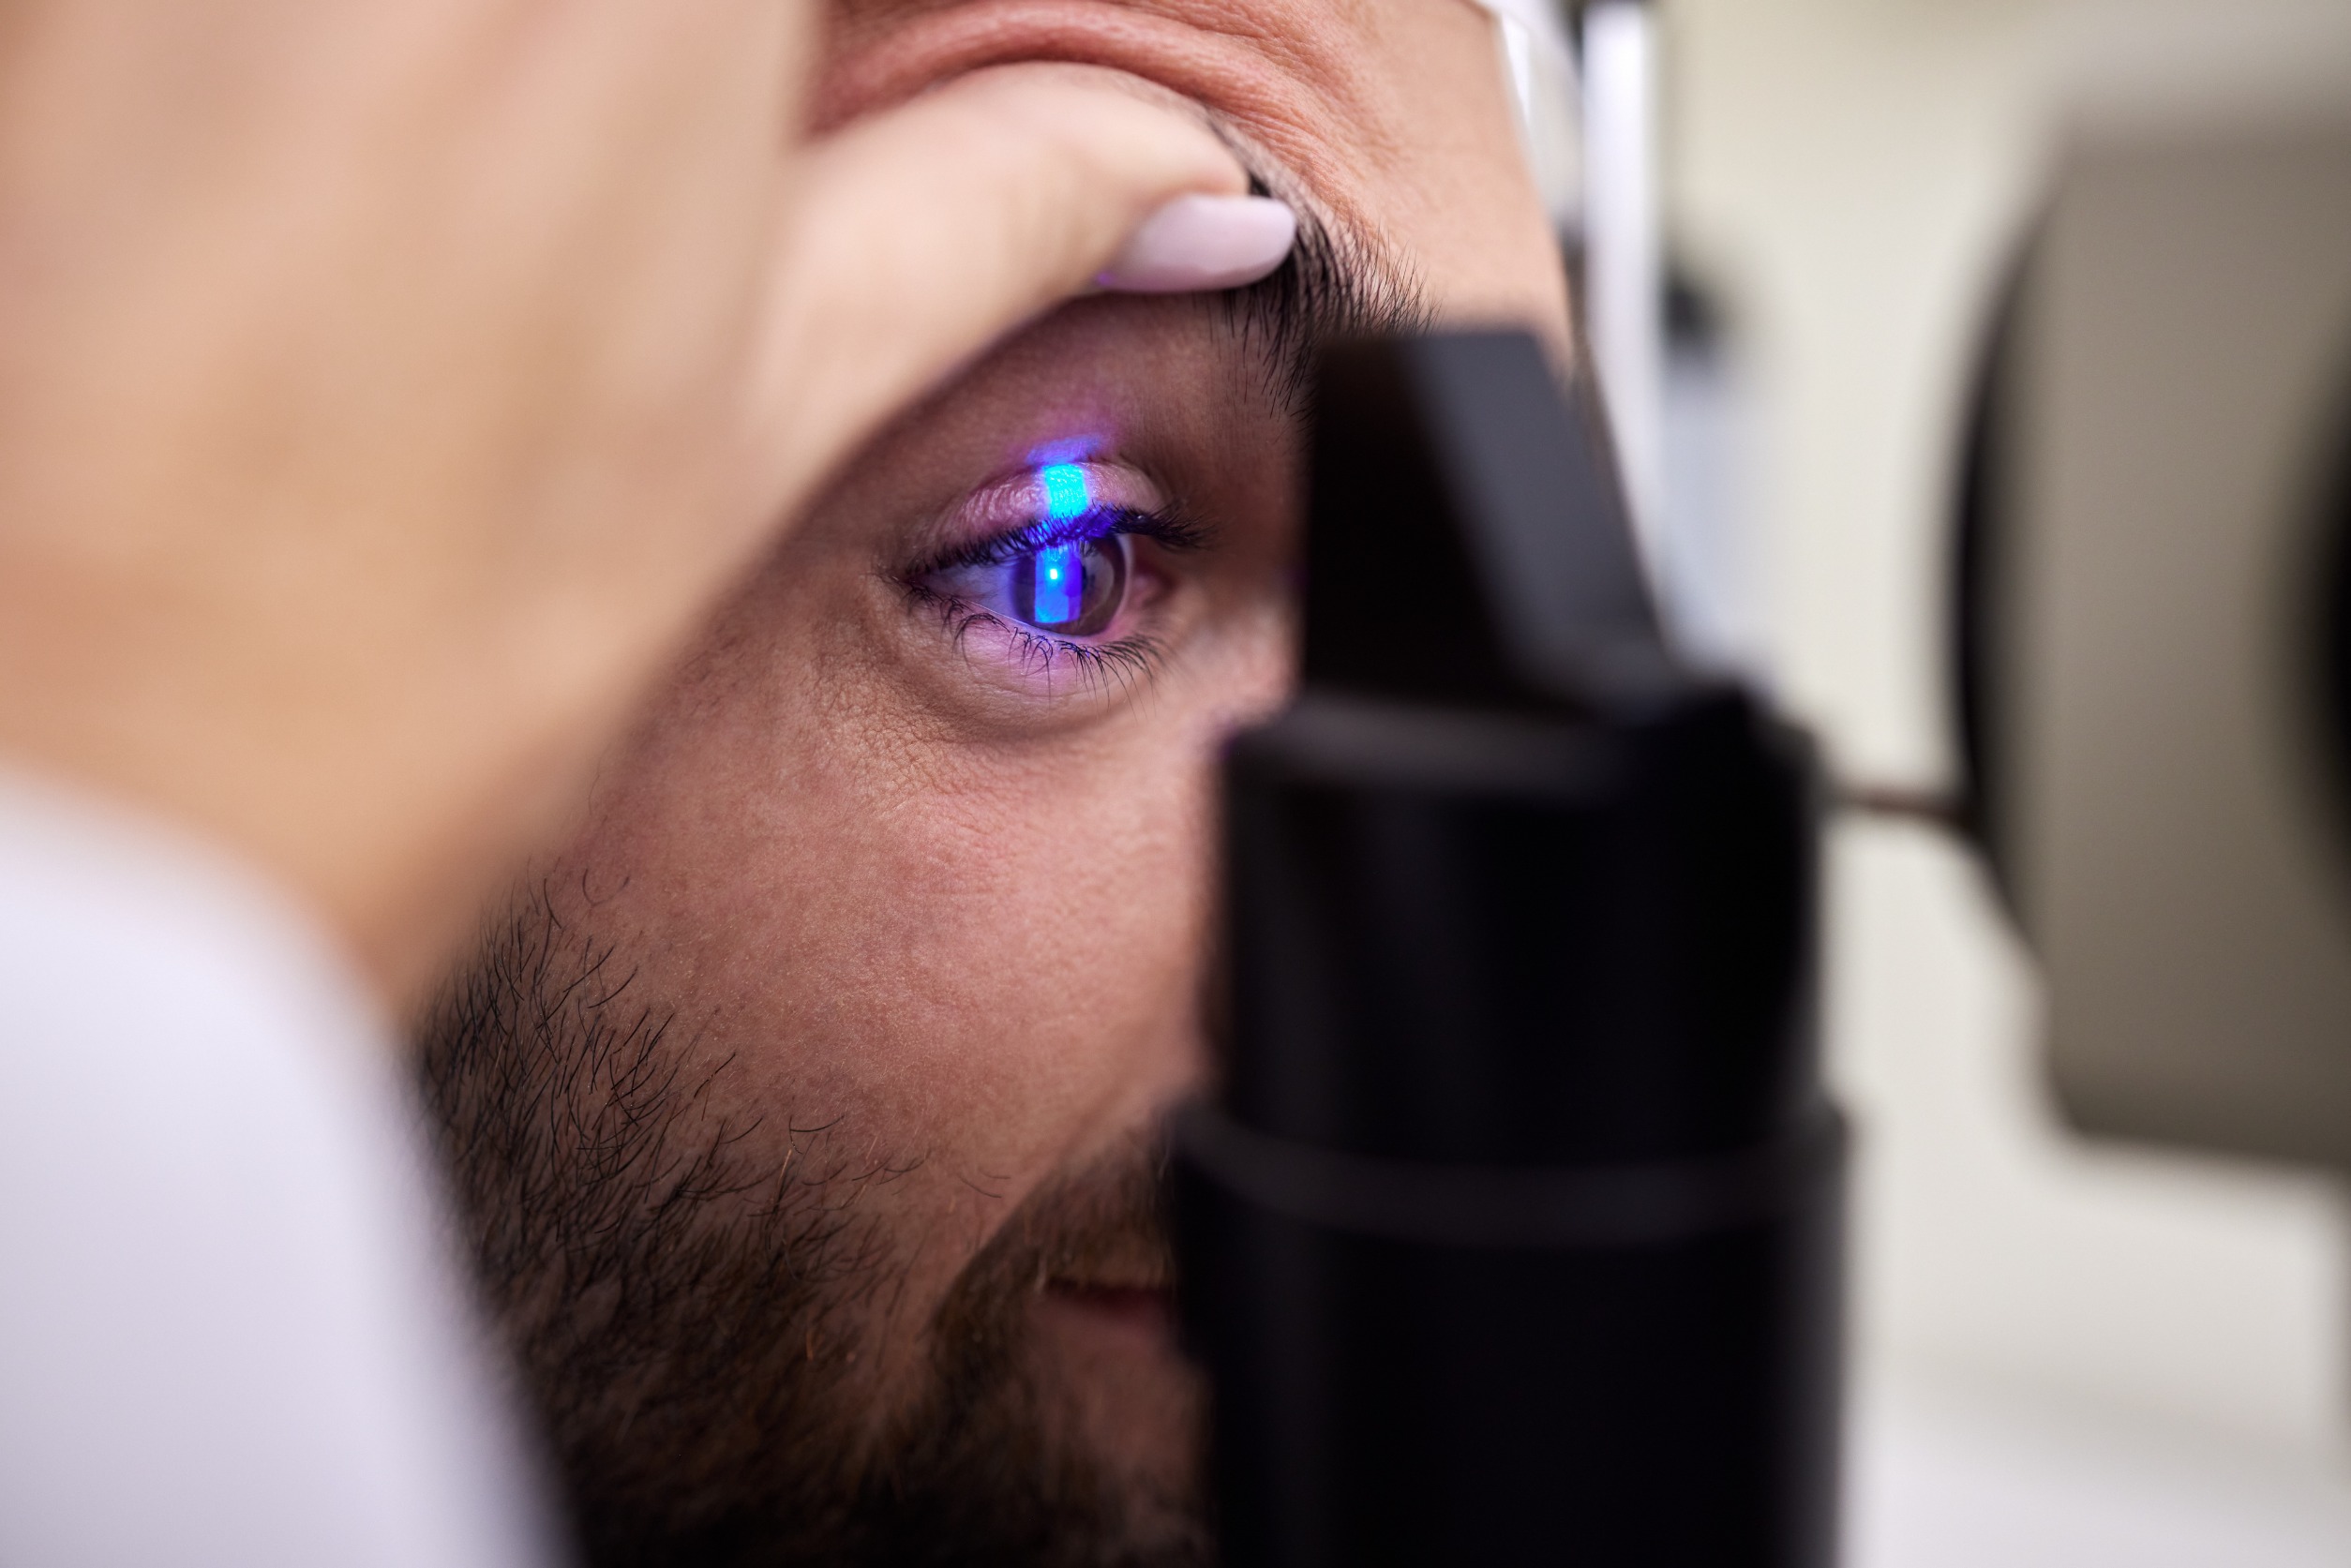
[
  {"x": 1074, "y": 588},
  {"x": 1056, "y": 584}
]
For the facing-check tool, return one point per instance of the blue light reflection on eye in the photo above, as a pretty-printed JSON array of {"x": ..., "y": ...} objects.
[
  {"x": 1061, "y": 584},
  {"x": 1066, "y": 494}
]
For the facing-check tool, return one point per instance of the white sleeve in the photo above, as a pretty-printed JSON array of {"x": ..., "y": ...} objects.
[{"x": 231, "y": 1330}]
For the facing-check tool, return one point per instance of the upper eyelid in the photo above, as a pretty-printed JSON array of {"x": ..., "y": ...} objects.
[
  {"x": 1170, "y": 527},
  {"x": 1051, "y": 485},
  {"x": 1045, "y": 532}
]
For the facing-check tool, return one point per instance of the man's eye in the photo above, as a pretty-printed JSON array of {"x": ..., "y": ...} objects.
[{"x": 1073, "y": 589}]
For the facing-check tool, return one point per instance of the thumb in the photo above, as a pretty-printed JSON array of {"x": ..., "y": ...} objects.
[{"x": 916, "y": 237}]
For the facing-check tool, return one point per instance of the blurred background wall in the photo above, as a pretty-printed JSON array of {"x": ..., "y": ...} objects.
[{"x": 2068, "y": 1352}]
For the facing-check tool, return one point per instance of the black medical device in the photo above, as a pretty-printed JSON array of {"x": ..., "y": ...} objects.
[{"x": 1512, "y": 1235}]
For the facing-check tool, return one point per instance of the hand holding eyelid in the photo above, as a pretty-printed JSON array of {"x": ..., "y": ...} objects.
[
  {"x": 1041, "y": 181},
  {"x": 526, "y": 422}
]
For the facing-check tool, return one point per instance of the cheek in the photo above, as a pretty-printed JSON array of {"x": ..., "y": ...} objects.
[
  {"x": 984, "y": 962},
  {"x": 1053, "y": 935}
]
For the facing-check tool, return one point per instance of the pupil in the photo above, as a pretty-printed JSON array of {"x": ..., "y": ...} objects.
[
  {"x": 1074, "y": 588},
  {"x": 1060, "y": 596}
]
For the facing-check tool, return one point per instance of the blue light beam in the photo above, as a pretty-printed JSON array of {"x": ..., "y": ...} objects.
[
  {"x": 1066, "y": 494},
  {"x": 1060, "y": 585}
]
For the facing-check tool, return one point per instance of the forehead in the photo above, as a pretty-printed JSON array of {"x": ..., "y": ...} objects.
[
  {"x": 1326, "y": 87},
  {"x": 1390, "y": 116},
  {"x": 1297, "y": 31},
  {"x": 1236, "y": 18}
]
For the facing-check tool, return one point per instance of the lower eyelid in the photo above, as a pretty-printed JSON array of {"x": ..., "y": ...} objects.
[{"x": 1125, "y": 658}]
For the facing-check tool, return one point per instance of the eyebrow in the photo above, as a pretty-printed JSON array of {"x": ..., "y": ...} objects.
[{"x": 1336, "y": 283}]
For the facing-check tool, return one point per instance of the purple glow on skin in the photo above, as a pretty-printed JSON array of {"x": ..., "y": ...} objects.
[{"x": 1072, "y": 449}]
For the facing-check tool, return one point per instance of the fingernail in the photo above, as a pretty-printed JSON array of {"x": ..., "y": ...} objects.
[{"x": 1197, "y": 243}]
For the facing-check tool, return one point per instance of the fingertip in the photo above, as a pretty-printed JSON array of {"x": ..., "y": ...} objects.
[{"x": 1196, "y": 242}]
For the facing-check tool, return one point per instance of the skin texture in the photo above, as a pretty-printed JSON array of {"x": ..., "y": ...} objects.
[
  {"x": 804, "y": 1103},
  {"x": 388, "y": 388}
]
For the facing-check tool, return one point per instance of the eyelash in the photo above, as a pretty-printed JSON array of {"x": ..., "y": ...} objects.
[{"x": 1122, "y": 662}]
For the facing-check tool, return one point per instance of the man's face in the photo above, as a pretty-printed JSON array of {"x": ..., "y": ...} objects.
[{"x": 804, "y": 1108}]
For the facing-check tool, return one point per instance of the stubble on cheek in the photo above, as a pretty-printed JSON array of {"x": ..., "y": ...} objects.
[
  {"x": 687, "y": 1321},
  {"x": 1054, "y": 1356},
  {"x": 701, "y": 1326}
]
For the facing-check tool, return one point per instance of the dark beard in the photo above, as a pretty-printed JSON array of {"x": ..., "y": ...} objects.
[{"x": 688, "y": 1321}]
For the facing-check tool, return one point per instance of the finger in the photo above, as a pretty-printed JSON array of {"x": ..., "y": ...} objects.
[
  {"x": 922, "y": 234},
  {"x": 1198, "y": 242}
]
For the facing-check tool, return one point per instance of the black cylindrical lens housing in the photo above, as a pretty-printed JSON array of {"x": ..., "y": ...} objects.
[
  {"x": 1514, "y": 1236},
  {"x": 1510, "y": 938}
]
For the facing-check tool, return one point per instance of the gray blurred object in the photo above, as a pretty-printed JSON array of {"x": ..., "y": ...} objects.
[
  {"x": 1662, "y": 360},
  {"x": 2152, "y": 632},
  {"x": 1623, "y": 268},
  {"x": 1539, "y": 63},
  {"x": 1707, "y": 568}
]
